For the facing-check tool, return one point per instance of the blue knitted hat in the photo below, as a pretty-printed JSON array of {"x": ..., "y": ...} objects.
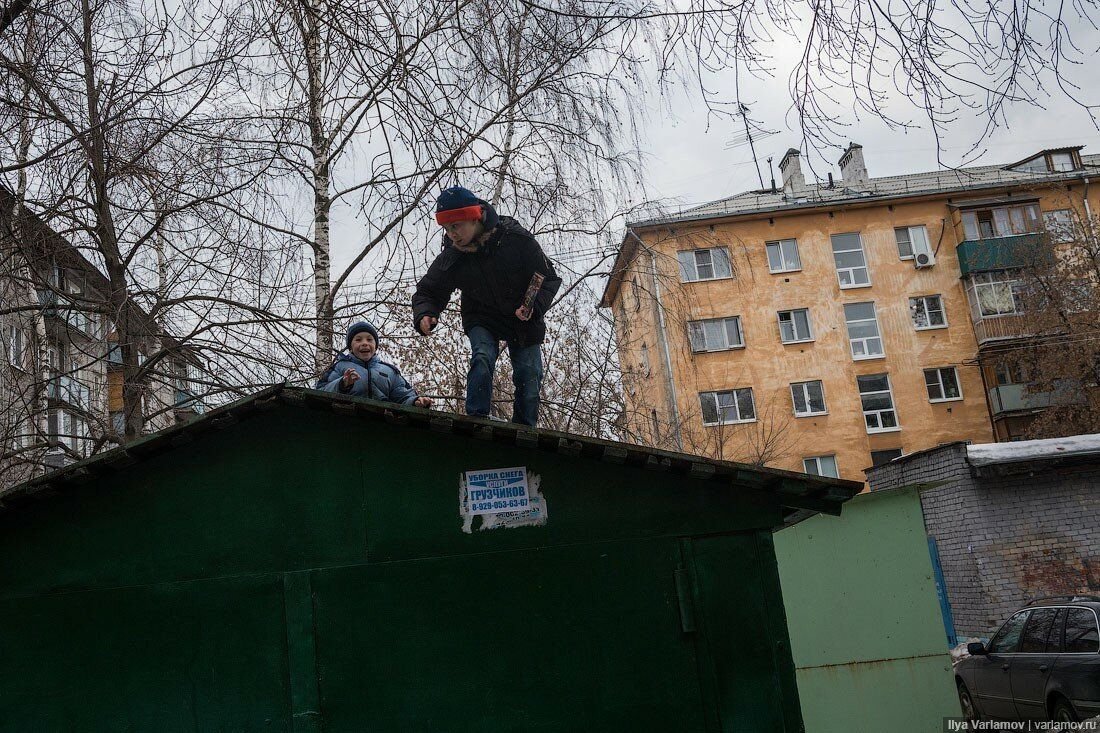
[{"x": 360, "y": 327}]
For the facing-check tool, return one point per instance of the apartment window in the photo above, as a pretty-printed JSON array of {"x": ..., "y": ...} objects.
[
  {"x": 851, "y": 266},
  {"x": 794, "y": 326},
  {"x": 645, "y": 360},
  {"x": 118, "y": 422},
  {"x": 879, "y": 457},
  {"x": 634, "y": 292},
  {"x": 783, "y": 256},
  {"x": 725, "y": 408},
  {"x": 704, "y": 264},
  {"x": 16, "y": 350},
  {"x": 716, "y": 334},
  {"x": 926, "y": 311},
  {"x": 820, "y": 466},
  {"x": 1059, "y": 225},
  {"x": 808, "y": 398},
  {"x": 878, "y": 403},
  {"x": 943, "y": 384},
  {"x": 67, "y": 429},
  {"x": 1010, "y": 372},
  {"x": 910, "y": 240},
  {"x": 863, "y": 334},
  {"x": 996, "y": 293},
  {"x": 1001, "y": 221}
]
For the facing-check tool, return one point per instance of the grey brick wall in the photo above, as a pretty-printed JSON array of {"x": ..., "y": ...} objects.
[{"x": 1004, "y": 539}]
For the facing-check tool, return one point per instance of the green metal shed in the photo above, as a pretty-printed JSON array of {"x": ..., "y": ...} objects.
[{"x": 300, "y": 561}]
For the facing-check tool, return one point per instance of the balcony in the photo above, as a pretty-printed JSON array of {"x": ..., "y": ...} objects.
[
  {"x": 1002, "y": 253},
  {"x": 1000, "y": 327},
  {"x": 1015, "y": 398},
  {"x": 72, "y": 391},
  {"x": 57, "y": 306}
]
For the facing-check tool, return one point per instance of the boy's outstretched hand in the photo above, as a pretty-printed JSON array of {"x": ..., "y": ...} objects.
[
  {"x": 423, "y": 402},
  {"x": 350, "y": 377},
  {"x": 427, "y": 323}
]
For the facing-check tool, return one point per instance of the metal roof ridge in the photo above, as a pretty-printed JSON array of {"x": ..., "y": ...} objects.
[{"x": 794, "y": 490}]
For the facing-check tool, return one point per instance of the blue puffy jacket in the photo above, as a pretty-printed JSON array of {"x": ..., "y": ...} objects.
[{"x": 377, "y": 380}]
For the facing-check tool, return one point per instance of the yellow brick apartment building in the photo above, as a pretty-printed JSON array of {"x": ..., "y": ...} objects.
[{"x": 825, "y": 327}]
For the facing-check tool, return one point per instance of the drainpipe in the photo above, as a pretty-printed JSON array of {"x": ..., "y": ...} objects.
[
  {"x": 663, "y": 338},
  {"x": 1088, "y": 209}
]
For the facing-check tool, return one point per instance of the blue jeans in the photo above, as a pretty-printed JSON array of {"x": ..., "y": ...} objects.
[{"x": 526, "y": 375}]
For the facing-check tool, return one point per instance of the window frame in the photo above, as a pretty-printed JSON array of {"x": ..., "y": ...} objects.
[
  {"x": 643, "y": 359},
  {"x": 939, "y": 381},
  {"x": 879, "y": 412},
  {"x": 1065, "y": 626},
  {"x": 17, "y": 347},
  {"x": 909, "y": 235},
  {"x": 817, "y": 463},
  {"x": 923, "y": 300},
  {"x": 864, "y": 339},
  {"x": 863, "y": 256},
  {"x": 1027, "y": 614},
  {"x": 1050, "y": 226},
  {"x": 736, "y": 405},
  {"x": 695, "y": 264},
  {"x": 809, "y": 326},
  {"x": 806, "y": 397},
  {"x": 1007, "y": 280},
  {"x": 700, "y": 323},
  {"x": 780, "y": 244}
]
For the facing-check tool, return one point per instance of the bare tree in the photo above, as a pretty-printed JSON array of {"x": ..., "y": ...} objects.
[{"x": 1057, "y": 355}]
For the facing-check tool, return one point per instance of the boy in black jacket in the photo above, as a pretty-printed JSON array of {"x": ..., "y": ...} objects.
[{"x": 491, "y": 259}]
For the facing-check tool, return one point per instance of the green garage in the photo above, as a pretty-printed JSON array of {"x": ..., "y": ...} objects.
[{"x": 301, "y": 561}]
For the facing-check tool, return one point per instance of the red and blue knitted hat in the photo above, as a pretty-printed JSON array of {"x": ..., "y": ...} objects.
[{"x": 457, "y": 204}]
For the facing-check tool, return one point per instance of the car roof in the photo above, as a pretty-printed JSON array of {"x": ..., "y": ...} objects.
[{"x": 1092, "y": 602}]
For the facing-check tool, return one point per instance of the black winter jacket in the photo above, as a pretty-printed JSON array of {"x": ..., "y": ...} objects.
[{"x": 493, "y": 281}]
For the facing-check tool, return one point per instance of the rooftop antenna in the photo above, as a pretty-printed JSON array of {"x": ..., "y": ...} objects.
[{"x": 752, "y": 146}]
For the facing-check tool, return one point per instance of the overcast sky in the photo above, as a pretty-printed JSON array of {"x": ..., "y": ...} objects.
[{"x": 690, "y": 163}]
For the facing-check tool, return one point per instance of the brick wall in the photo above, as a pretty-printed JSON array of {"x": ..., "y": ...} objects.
[{"x": 1004, "y": 539}]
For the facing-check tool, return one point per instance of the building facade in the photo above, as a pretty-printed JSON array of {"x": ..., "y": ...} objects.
[
  {"x": 60, "y": 375},
  {"x": 828, "y": 327}
]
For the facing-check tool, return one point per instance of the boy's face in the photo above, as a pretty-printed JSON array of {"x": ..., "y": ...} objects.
[
  {"x": 464, "y": 234},
  {"x": 363, "y": 345}
]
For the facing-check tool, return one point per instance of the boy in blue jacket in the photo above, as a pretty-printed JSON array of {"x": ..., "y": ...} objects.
[{"x": 360, "y": 371}]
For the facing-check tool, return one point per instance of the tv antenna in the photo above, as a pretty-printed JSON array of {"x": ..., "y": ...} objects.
[{"x": 753, "y": 132}]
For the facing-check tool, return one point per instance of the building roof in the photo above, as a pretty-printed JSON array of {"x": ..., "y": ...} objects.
[
  {"x": 818, "y": 195},
  {"x": 801, "y": 495},
  {"x": 910, "y": 184},
  {"x": 1030, "y": 451}
]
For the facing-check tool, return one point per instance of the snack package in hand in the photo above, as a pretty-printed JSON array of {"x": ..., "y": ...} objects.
[{"x": 532, "y": 290}]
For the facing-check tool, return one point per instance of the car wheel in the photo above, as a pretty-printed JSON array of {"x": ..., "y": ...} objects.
[
  {"x": 1064, "y": 712},
  {"x": 969, "y": 710}
]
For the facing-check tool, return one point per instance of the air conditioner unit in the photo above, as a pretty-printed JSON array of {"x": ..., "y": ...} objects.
[
  {"x": 924, "y": 259},
  {"x": 922, "y": 255}
]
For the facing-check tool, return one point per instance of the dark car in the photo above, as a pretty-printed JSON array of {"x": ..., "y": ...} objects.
[{"x": 1042, "y": 664}]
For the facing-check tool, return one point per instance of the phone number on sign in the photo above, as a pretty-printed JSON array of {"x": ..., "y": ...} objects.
[{"x": 480, "y": 506}]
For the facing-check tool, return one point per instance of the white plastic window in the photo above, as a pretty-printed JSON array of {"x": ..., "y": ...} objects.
[
  {"x": 794, "y": 326},
  {"x": 863, "y": 334},
  {"x": 783, "y": 256},
  {"x": 820, "y": 466},
  {"x": 926, "y": 311},
  {"x": 716, "y": 334},
  {"x": 851, "y": 265},
  {"x": 808, "y": 398},
  {"x": 877, "y": 400},
  {"x": 704, "y": 264},
  {"x": 728, "y": 407}
]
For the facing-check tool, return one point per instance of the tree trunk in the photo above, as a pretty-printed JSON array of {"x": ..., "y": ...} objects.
[{"x": 104, "y": 229}]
